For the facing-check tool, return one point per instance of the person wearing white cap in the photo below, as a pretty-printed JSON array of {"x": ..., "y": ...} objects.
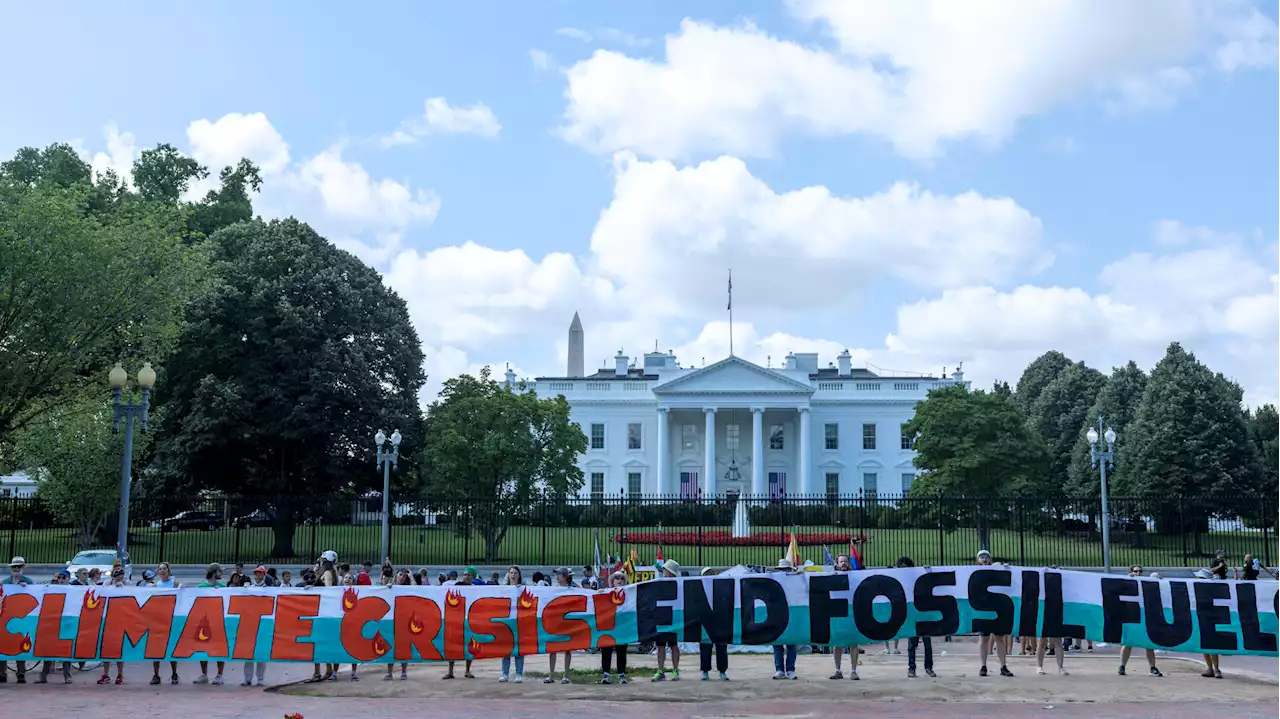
[
  {"x": 16, "y": 565},
  {"x": 670, "y": 569},
  {"x": 784, "y": 655}
]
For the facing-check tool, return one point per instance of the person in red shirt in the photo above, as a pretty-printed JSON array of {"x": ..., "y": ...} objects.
[{"x": 363, "y": 579}]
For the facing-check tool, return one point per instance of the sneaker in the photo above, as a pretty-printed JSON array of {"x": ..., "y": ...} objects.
[
  {"x": 706, "y": 676},
  {"x": 911, "y": 674},
  {"x": 675, "y": 675},
  {"x": 792, "y": 676},
  {"x": 982, "y": 672},
  {"x": 606, "y": 679},
  {"x": 68, "y": 680},
  {"x": 260, "y": 683},
  {"x": 1207, "y": 674},
  {"x": 929, "y": 673},
  {"x": 548, "y": 680},
  {"x": 202, "y": 679},
  {"x": 1062, "y": 672},
  {"x": 659, "y": 677},
  {"x": 897, "y": 651},
  {"x": 1155, "y": 672},
  {"x": 404, "y": 674},
  {"x": 837, "y": 674},
  {"x": 622, "y": 679},
  {"x": 779, "y": 675},
  {"x": 519, "y": 679},
  {"x": 565, "y": 679},
  {"x": 120, "y": 679},
  {"x": 1004, "y": 672},
  {"x": 355, "y": 677},
  {"x": 155, "y": 680},
  {"x": 246, "y": 683},
  {"x": 104, "y": 679},
  {"x": 501, "y": 680},
  {"x": 173, "y": 679},
  {"x": 1040, "y": 671},
  {"x": 1120, "y": 671},
  {"x": 724, "y": 677},
  {"x": 853, "y": 675},
  {"x": 217, "y": 680},
  {"x": 22, "y": 678},
  {"x": 389, "y": 676}
]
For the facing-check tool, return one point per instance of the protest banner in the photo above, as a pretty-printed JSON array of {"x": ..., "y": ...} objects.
[{"x": 412, "y": 624}]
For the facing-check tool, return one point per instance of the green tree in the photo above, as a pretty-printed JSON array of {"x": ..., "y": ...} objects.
[
  {"x": 1002, "y": 388},
  {"x": 162, "y": 174},
  {"x": 1265, "y": 433},
  {"x": 1058, "y": 416},
  {"x": 1042, "y": 370},
  {"x": 975, "y": 444},
  {"x": 283, "y": 373},
  {"x": 230, "y": 203},
  {"x": 83, "y": 283},
  {"x": 1117, "y": 403},
  {"x": 75, "y": 459},
  {"x": 490, "y": 450},
  {"x": 1190, "y": 438}
]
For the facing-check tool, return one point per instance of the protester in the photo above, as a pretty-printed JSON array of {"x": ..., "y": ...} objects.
[
  {"x": 670, "y": 568},
  {"x": 1218, "y": 570},
  {"x": 784, "y": 655},
  {"x": 212, "y": 580},
  {"x": 617, "y": 652},
  {"x": 403, "y": 578},
  {"x": 466, "y": 580},
  {"x": 286, "y": 578},
  {"x": 844, "y": 564},
  {"x": 985, "y": 640},
  {"x": 62, "y": 578},
  {"x": 117, "y": 580},
  {"x": 564, "y": 582},
  {"x": 1125, "y": 651},
  {"x": 515, "y": 577},
  {"x": 16, "y": 576},
  {"x": 914, "y": 642},
  {"x": 164, "y": 580},
  {"x": 705, "y": 649},
  {"x": 1251, "y": 568}
]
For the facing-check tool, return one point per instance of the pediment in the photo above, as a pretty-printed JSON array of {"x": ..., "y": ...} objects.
[{"x": 733, "y": 376}]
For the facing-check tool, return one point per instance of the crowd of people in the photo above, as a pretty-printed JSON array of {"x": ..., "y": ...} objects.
[{"x": 328, "y": 572}]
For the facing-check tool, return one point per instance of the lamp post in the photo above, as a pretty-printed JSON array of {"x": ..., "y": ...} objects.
[
  {"x": 128, "y": 411},
  {"x": 387, "y": 460},
  {"x": 1100, "y": 458}
]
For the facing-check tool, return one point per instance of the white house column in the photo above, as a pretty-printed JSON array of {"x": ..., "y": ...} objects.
[
  {"x": 663, "y": 452},
  {"x": 806, "y": 448},
  {"x": 757, "y": 451},
  {"x": 709, "y": 481}
]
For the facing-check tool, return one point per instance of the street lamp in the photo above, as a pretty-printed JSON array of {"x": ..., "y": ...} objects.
[
  {"x": 128, "y": 411},
  {"x": 1100, "y": 459},
  {"x": 387, "y": 460}
]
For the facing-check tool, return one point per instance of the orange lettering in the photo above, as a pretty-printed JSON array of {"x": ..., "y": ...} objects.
[
  {"x": 15, "y": 606},
  {"x": 294, "y": 614},
  {"x": 92, "y": 607},
  {"x": 351, "y": 632},
  {"x": 251, "y": 610},
  {"x": 554, "y": 622},
  {"x": 606, "y": 611},
  {"x": 417, "y": 622},
  {"x": 205, "y": 630},
  {"x": 127, "y": 620},
  {"x": 49, "y": 641},
  {"x": 482, "y": 618},
  {"x": 527, "y": 621},
  {"x": 455, "y": 625}
]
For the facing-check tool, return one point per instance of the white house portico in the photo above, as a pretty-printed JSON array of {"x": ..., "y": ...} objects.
[{"x": 734, "y": 427}]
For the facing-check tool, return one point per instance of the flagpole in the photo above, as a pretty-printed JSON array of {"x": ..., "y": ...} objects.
[{"x": 730, "y": 312}]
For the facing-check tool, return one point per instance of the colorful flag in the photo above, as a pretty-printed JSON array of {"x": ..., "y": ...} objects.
[
  {"x": 827, "y": 559},
  {"x": 793, "y": 552},
  {"x": 855, "y": 559}
]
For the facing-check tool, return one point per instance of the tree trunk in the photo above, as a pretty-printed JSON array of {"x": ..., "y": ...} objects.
[{"x": 283, "y": 528}]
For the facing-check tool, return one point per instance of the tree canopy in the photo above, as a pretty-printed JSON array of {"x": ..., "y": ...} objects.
[
  {"x": 285, "y": 370},
  {"x": 1059, "y": 412},
  {"x": 1042, "y": 370},
  {"x": 495, "y": 448},
  {"x": 1116, "y": 403}
]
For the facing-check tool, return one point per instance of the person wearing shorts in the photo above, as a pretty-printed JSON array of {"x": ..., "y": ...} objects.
[{"x": 985, "y": 640}]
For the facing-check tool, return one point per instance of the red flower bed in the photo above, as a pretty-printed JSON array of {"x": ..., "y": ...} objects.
[{"x": 722, "y": 538}]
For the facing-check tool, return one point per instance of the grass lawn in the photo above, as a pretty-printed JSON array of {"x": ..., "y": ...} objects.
[{"x": 575, "y": 546}]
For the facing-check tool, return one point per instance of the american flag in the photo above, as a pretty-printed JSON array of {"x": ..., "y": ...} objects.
[{"x": 730, "y": 291}]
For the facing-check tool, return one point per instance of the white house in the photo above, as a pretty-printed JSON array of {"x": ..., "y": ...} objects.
[
  {"x": 798, "y": 429},
  {"x": 18, "y": 484}
]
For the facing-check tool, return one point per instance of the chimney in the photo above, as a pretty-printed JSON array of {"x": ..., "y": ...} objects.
[
  {"x": 844, "y": 361},
  {"x": 620, "y": 364},
  {"x": 577, "y": 353},
  {"x": 791, "y": 361},
  {"x": 958, "y": 375},
  {"x": 511, "y": 378}
]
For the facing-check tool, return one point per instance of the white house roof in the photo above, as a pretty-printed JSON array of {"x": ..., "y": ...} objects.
[{"x": 733, "y": 375}]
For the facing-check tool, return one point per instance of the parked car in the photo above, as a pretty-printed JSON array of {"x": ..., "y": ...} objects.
[
  {"x": 100, "y": 559},
  {"x": 193, "y": 519},
  {"x": 256, "y": 518}
]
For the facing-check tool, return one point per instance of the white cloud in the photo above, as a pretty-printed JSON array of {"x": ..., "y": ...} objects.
[
  {"x": 122, "y": 150},
  {"x": 915, "y": 73},
  {"x": 541, "y": 59},
  {"x": 607, "y": 35},
  {"x": 223, "y": 142},
  {"x": 439, "y": 117}
]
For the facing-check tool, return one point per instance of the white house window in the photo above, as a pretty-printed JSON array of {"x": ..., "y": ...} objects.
[
  {"x": 907, "y": 479},
  {"x": 869, "y": 436},
  {"x": 597, "y": 486},
  {"x": 869, "y": 482},
  {"x": 731, "y": 437},
  {"x": 597, "y": 436},
  {"x": 634, "y": 435},
  {"x": 777, "y": 438},
  {"x": 831, "y": 436},
  {"x": 833, "y": 483},
  {"x": 908, "y": 442},
  {"x": 689, "y": 437},
  {"x": 633, "y": 483}
]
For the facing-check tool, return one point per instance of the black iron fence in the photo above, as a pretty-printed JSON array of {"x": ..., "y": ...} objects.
[{"x": 544, "y": 530}]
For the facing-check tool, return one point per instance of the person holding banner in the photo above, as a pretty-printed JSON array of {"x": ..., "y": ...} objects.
[
  {"x": 212, "y": 579},
  {"x": 164, "y": 580},
  {"x": 784, "y": 655},
  {"x": 1125, "y": 651},
  {"x": 619, "y": 651},
  {"x": 705, "y": 650},
  {"x": 514, "y": 578},
  {"x": 914, "y": 642},
  {"x": 117, "y": 580},
  {"x": 564, "y": 581},
  {"x": 403, "y": 578},
  {"x": 670, "y": 568},
  {"x": 843, "y": 564},
  {"x": 985, "y": 640}
]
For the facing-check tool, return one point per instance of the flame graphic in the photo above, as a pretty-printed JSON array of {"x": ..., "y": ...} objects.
[
  {"x": 474, "y": 647},
  {"x": 91, "y": 600},
  {"x": 618, "y": 596},
  {"x": 452, "y": 598},
  {"x": 527, "y": 600},
  {"x": 202, "y": 630},
  {"x": 415, "y": 626},
  {"x": 349, "y": 599},
  {"x": 26, "y": 643},
  {"x": 380, "y": 646}
]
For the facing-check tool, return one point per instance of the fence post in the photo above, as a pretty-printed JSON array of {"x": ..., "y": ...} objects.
[
  {"x": 1266, "y": 546},
  {"x": 1182, "y": 531},
  {"x": 1022, "y": 531},
  {"x": 163, "y": 515},
  {"x": 315, "y": 522},
  {"x": 937, "y": 512},
  {"x": 237, "y": 547},
  {"x": 697, "y": 518},
  {"x": 862, "y": 523},
  {"x": 13, "y": 527},
  {"x": 543, "y": 496}
]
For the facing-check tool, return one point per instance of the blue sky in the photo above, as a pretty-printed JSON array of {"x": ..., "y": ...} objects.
[{"x": 1089, "y": 178}]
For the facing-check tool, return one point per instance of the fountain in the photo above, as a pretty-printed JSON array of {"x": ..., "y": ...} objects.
[{"x": 741, "y": 526}]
